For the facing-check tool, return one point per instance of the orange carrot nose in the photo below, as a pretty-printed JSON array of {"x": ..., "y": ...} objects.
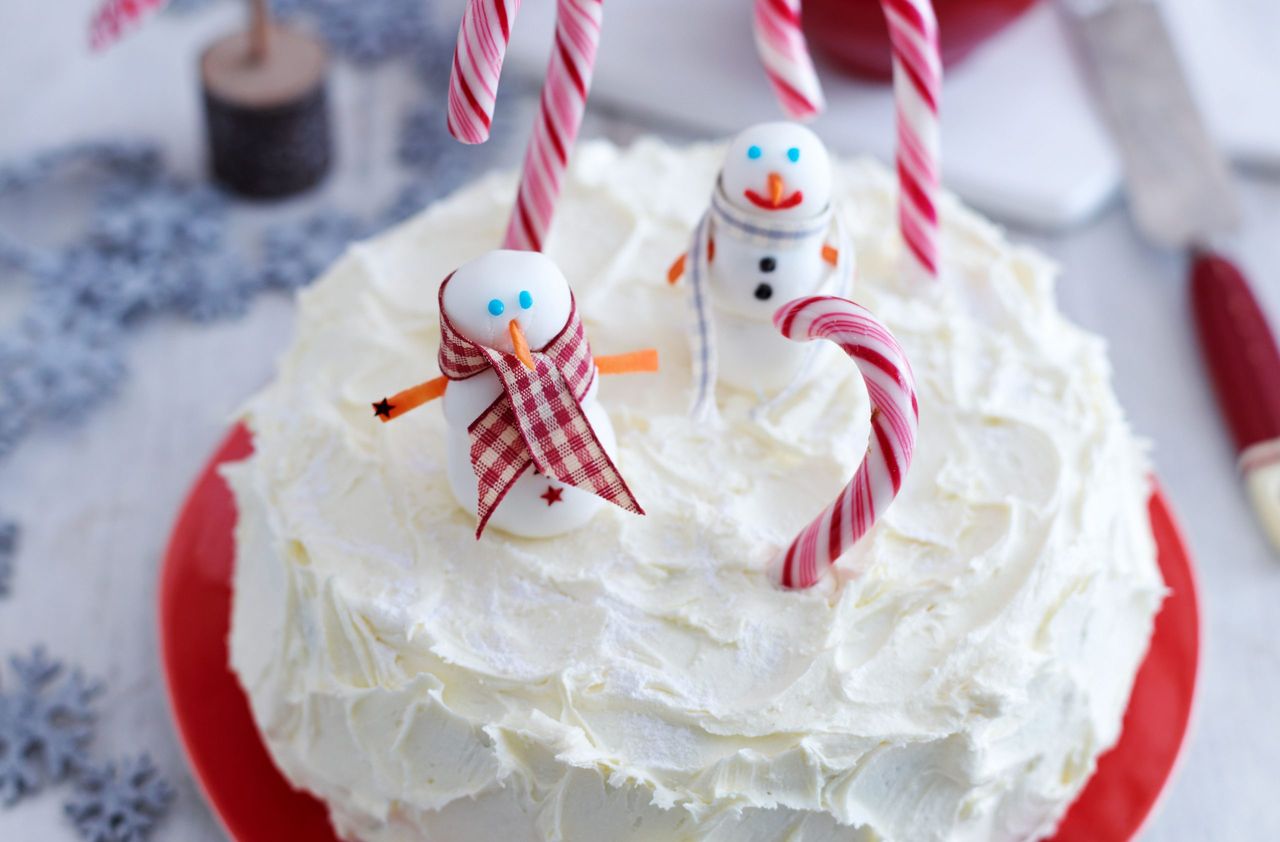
[
  {"x": 521, "y": 345},
  {"x": 776, "y": 188}
]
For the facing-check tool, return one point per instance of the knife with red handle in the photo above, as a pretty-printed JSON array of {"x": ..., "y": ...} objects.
[
  {"x": 1244, "y": 364},
  {"x": 1181, "y": 196}
]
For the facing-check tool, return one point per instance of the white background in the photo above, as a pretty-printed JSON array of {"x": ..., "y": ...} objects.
[{"x": 97, "y": 501}]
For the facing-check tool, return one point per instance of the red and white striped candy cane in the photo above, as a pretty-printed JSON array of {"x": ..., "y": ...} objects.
[
  {"x": 917, "y": 80},
  {"x": 564, "y": 99},
  {"x": 894, "y": 421},
  {"x": 785, "y": 56},
  {"x": 113, "y": 17},
  {"x": 477, "y": 64},
  {"x": 917, "y": 83},
  {"x": 482, "y": 43}
]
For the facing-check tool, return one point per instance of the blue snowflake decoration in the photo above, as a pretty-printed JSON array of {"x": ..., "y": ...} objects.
[
  {"x": 159, "y": 217},
  {"x": 59, "y": 362},
  {"x": 46, "y": 723},
  {"x": 119, "y": 802},
  {"x": 296, "y": 252},
  {"x": 153, "y": 245},
  {"x": 216, "y": 289},
  {"x": 144, "y": 243},
  {"x": 117, "y": 163},
  {"x": 118, "y": 160},
  {"x": 365, "y": 31},
  {"x": 8, "y": 550}
]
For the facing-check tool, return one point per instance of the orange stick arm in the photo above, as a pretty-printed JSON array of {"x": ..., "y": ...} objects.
[
  {"x": 831, "y": 254},
  {"x": 677, "y": 270},
  {"x": 635, "y": 362},
  {"x": 410, "y": 399}
]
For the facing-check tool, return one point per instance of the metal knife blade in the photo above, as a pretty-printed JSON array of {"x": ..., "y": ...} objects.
[{"x": 1178, "y": 183}]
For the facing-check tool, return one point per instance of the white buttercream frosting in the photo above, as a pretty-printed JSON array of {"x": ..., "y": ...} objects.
[{"x": 641, "y": 679}]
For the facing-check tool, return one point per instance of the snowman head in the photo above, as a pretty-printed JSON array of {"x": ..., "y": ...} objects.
[
  {"x": 778, "y": 169},
  {"x": 511, "y": 301}
]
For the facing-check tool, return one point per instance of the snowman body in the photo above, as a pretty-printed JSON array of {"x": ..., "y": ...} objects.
[
  {"x": 748, "y": 283},
  {"x": 486, "y": 300},
  {"x": 536, "y": 506},
  {"x": 766, "y": 248}
]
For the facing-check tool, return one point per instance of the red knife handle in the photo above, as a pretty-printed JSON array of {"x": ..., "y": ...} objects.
[{"x": 1239, "y": 348}]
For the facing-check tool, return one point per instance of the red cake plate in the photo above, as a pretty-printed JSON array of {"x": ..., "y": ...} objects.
[{"x": 256, "y": 804}]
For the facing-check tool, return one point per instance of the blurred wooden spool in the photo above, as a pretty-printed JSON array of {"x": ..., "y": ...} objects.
[{"x": 266, "y": 109}]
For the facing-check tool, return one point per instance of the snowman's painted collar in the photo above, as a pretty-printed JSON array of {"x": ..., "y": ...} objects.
[{"x": 763, "y": 228}]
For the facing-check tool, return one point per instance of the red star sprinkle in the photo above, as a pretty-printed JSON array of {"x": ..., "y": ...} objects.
[{"x": 552, "y": 495}]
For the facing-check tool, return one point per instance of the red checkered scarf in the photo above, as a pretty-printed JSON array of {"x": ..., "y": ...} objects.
[{"x": 537, "y": 420}]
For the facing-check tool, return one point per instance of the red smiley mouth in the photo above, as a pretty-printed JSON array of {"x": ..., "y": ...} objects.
[{"x": 768, "y": 203}]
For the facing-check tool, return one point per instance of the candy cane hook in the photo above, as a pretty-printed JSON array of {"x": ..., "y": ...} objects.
[
  {"x": 894, "y": 422},
  {"x": 477, "y": 65},
  {"x": 473, "y": 87},
  {"x": 917, "y": 81}
]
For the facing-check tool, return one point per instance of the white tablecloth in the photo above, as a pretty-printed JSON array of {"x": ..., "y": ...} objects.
[{"x": 97, "y": 501}]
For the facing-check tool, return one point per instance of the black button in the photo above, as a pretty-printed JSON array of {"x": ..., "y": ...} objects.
[
  {"x": 764, "y": 292},
  {"x": 768, "y": 264}
]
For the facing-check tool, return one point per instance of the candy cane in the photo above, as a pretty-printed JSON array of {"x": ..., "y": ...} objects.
[
  {"x": 477, "y": 64},
  {"x": 564, "y": 99},
  {"x": 473, "y": 85},
  {"x": 785, "y": 56},
  {"x": 894, "y": 421},
  {"x": 917, "y": 80},
  {"x": 113, "y": 17}
]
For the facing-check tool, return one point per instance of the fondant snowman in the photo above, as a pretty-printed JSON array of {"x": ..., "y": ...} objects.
[
  {"x": 530, "y": 448},
  {"x": 770, "y": 236}
]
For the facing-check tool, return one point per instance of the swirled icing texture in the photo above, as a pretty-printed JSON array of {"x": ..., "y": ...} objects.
[{"x": 640, "y": 679}]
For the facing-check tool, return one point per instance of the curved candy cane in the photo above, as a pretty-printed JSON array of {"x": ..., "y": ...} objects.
[
  {"x": 473, "y": 85},
  {"x": 917, "y": 80},
  {"x": 477, "y": 64},
  {"x": 894, "y": 421}
]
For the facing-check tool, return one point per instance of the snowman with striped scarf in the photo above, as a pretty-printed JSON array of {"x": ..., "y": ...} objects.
[{"x": 770, "y": 236}]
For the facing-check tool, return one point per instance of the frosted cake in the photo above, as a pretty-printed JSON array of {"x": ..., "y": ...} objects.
[{"x": 954, "y": 677}]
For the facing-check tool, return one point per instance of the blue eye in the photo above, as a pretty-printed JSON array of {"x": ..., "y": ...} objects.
[
  {"x": 526, "y": 300},
  {"x": 794, "y": 154},
  {"x": 496, "y": 307},
  {"x": 754, "y": 152}
]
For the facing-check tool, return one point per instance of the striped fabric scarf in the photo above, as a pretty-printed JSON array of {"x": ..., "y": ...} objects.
[
  {"x": 537, "y": 420},
  {"x": 755, "y": 229}
]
